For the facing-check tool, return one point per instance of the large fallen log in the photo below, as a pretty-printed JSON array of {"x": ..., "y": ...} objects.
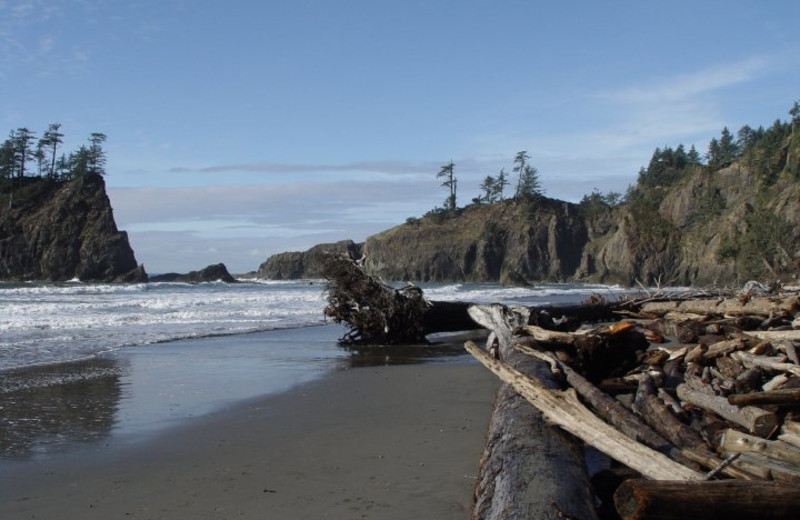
[
  {"x": 528, "y": 468},
  {"x": 377, "y": 313},
  {"x": 722, "y": 499}
]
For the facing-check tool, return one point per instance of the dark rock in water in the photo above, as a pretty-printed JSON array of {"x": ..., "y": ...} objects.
[
  {"x": 58, "y": 231},
  {"x": 304, "y": 265},
  {"x": 212, "y": 273}
]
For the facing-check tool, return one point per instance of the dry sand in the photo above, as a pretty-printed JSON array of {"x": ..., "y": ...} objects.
[{"x": 397, "y": 442}]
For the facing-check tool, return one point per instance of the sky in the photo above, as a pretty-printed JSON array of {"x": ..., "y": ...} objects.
[{"x": 242, "y": 128}]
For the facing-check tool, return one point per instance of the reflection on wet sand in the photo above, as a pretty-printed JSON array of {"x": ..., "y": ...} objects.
[
  {"x": 47, "y": 409},
  {"x": 50, "y": 409}
]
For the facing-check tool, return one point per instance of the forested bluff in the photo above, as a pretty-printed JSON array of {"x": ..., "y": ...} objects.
[
  {"x": 56, "y": 221},
  {"x": 721, "y": 221}
]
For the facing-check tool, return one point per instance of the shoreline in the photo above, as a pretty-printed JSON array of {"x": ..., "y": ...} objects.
[{"x": 384, "y": 442}]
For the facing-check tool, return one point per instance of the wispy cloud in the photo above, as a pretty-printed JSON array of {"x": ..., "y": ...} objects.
[
  {"x": 385, "y": 167},
  {"x": 688, "y": 86}
]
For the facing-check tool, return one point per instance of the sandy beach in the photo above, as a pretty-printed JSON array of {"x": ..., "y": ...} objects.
[{"x": 362, "y": 443}]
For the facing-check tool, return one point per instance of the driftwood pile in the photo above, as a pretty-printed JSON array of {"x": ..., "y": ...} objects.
[
  {"x": 699, "y": 400},
  {"x": 696, "y": 399}
]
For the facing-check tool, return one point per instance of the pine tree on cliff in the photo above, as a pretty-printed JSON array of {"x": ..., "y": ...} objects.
[
  {"x": 97, "y": 157},
  {"x": 520, "y": 162},
  {"x": 448, "y": 173},
  {"x": 49, "y": 142},
  {"x": 501, "y": 183},
  {"x": 488, "y": 187},
  {"x": 23, "y": 150}
]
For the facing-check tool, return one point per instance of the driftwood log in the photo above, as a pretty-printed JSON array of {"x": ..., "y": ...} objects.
[
  {"x": 723, "y": 500},
  {"x": 379, "y": 314},
  {"x": 528, "y": 468}
]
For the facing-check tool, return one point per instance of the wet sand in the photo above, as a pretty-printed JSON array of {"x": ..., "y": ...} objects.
[{"x": 362, "y": 443}]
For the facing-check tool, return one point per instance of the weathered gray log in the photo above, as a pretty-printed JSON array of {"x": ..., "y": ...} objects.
[
  {"x": 723, "y": 307},
  {"x": 713, "y": 462},
  {"x": 769, "y": 467},
  {"x": 756, "y": 420},
  {"x": 734, "y": 441},
  {"x": 528, "y": 469},
  {"x": 712, "y": 500},
  {"x": 776, "y": 364}
]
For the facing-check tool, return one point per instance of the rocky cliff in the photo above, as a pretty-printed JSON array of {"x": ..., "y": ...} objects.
[
  {"x": 684, "y": 223},
  {"x": 507, "y": 242},
  {"x": 211, "y": 273},
  {"x": 306, "y": 264},
  {"x": 59, "y": 231}
]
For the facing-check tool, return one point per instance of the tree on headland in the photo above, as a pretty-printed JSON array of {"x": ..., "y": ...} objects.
[
  {"x": 500, "y": 183},
  {"x": 21, "y": 140},
  {"x": 488, "y": 187},
  {"x": 530, "y": 186},
  {"x": 97, "y": 157},
  {"x": 18, "y": 151},
  {"x": 448, "y": 174},
  {"x": 520, "y": 162},
  {"x": 49, "y": 142}
]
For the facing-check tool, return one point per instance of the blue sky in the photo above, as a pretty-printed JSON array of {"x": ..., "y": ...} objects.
[{"x": 237, "y": 129}]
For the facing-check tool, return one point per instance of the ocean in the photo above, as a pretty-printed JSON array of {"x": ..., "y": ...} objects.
[{"x": 82, "y": 364}]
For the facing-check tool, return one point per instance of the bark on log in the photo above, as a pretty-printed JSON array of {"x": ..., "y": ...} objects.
[
  {"x": 757, "y": 421},
  {"x": 788, "y": 396},
  {"x": 528, "y": 468},
  {"x": 723, "y": 500},
  {"x": 656, "y": 414}
]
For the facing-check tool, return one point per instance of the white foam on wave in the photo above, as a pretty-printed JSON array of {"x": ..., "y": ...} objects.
[{"x": 46, "y": 324}]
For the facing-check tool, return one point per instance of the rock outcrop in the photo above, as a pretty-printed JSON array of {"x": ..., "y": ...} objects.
[
  {"x": 504, "y": 242},
  {"x": 58, "y": 231},
  {"x": 212, "y": 273},
  {"x": 308, "y": 264},
  {"x": 701, "y": 226}
]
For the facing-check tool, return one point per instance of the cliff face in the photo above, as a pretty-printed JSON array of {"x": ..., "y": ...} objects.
[
  {"x": 499, "y": 242},
  {"x": 211, "y": 273},
  {"x": 307, "y": 264},
  {"x": 61, "y": 231},
  {"x": 701, "y": 226}
]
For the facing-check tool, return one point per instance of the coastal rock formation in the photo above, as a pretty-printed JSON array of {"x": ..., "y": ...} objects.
[
  {"x": 60, "y": 231},
  {"x": 683, "y": 223},
  {"x": 502, "y": 242},
  {"x": 212, "y": 273},
  {"x": 309, "y": 264}
]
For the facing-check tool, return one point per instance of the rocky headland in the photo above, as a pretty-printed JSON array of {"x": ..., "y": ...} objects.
[
  {"x": 683, "y": 223},
  {"x": 62, "y": 230},
  {"x": 211, "y": 273}
]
